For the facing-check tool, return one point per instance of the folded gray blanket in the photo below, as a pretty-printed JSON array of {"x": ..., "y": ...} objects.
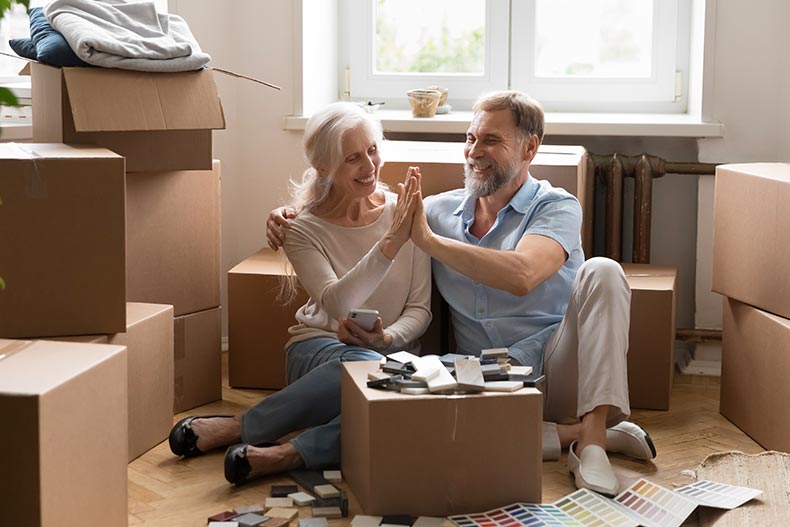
[{"x": 126, "y": 35}]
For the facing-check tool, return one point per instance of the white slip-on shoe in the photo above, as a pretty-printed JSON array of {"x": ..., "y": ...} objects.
[
  {"x": 592, "y": 470},
  {"x": 631, "y": 440}
]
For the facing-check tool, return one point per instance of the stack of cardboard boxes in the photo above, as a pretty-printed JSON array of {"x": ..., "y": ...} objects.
[
  {"x": 104, "y": 240},
  {"x": 751, "y": 246},
  {"x": 161, "y": 124}
]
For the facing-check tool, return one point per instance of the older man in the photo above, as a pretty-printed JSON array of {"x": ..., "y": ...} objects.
[{"x": 507, "y": 258}]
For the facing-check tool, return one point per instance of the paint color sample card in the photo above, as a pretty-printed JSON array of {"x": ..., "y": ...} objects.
[
  {"x": 643, "y": 503},
  {"x": 516, "y": 515},
  {"x": 655, "y": 506},
  {"x": 590, "y": 509},
  {"x": 718, "y": 495}
]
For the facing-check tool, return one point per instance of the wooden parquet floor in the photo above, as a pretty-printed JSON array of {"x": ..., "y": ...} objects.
[{"x": 166, "y": 491}]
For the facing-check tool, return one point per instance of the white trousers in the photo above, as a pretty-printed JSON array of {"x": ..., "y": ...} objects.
[{"x": 584, "y": 360}]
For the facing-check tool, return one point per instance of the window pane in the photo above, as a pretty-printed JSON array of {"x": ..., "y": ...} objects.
[
  {"x": 445, "y": 36},
  {"x": 13, "y": 25},
  {"x": 593, "y": 38}
]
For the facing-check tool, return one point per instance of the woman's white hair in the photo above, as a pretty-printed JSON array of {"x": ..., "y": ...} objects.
[{"x": 323, "y": 150}]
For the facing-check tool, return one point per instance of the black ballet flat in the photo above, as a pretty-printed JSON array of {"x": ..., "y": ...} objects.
[
  {"x": 183, "y": 440},
  {"x": 237, "y": 467}
]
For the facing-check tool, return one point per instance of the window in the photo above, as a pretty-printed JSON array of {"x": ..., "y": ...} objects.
[
  {"x": 405, "y": 44},
  {"x": 572, "y": 55}
]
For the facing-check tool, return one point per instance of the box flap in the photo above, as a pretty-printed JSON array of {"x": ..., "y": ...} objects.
[
  {"x": 105, "y": 100},
  {"x": 53, "y": 151},
  {"x": 21, "y": 370}
]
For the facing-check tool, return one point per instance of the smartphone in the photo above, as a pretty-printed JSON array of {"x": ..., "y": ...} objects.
[{"x": 364, "y": 318}]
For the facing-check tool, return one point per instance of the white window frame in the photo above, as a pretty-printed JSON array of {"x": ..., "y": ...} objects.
[
  {"x": 659, "y": 87},
  {"x": 367, "y": 85},
  {"x": 667, "y": 91}
]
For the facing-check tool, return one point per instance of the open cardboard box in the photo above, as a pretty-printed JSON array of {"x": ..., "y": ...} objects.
[
  {"x": 436, "y": 455},
  {"x": 158, "y": 121}
]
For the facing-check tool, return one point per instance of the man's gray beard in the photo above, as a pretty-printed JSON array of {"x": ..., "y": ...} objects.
[{"x": 479, "y": 188}]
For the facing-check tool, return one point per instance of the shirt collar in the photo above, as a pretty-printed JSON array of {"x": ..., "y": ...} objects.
[{"x": 519, "y": 202}]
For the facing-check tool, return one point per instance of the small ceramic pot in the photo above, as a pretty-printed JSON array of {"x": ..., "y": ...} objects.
[
  {"x": 443, "y": 91},
  {"x": 424, "y": 102}
]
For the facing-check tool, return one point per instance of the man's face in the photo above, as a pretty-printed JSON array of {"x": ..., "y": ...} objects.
[{"x": 494, "y": 154}]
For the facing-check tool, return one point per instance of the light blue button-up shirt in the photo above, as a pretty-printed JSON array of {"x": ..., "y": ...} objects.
[{"x": 484, "y": 317}]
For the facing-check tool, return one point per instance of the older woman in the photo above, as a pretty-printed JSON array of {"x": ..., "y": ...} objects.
[{"x": 349, "y": 245}]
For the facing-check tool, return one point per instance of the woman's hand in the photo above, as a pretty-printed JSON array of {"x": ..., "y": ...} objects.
[
  {"x": 348, "y": 332},
  {"x": 277, "y": 224},
  {"x": 400, "y": 229}
]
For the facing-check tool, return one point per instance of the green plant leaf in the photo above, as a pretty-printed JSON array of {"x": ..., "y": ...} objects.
[{"x": 7, "y": 98}]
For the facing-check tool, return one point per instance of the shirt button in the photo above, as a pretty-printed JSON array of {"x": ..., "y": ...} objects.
[
  {"x": 481, "y": 310},
  {"x": 489, "y": 324}
]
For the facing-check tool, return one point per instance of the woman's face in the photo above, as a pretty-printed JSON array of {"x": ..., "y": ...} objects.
[{"x": 358, "y": 172}]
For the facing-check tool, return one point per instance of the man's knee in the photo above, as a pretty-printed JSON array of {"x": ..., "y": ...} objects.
[{"x": 602, "y": 272}]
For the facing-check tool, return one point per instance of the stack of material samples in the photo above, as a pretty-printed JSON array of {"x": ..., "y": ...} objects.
[
  {"x": 407, "y": 373},
  {"x": 643, "y": 503}
]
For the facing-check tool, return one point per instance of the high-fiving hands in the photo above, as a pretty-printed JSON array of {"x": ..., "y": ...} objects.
[
  {"x": 400, "y": 228},
  {"x": 409, "y": 219}
]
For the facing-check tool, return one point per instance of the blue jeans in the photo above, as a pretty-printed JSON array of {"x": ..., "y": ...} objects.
[{"x": 311, "y": 400}]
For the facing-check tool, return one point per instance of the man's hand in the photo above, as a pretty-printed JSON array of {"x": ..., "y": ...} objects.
[
  {"x": 348, "y": 332},
  {"x": 277, "y": 224},
  {"x": 420, "y": 231}
]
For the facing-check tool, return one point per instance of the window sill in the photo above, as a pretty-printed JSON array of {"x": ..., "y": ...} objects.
[
  {"x": 651, "y": 125},
  {"x": 15, "y": 132}
]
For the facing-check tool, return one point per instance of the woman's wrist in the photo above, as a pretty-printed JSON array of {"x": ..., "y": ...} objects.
[
  {"x": 389, "y": 247},
  {"x": 386, "y": 342}
]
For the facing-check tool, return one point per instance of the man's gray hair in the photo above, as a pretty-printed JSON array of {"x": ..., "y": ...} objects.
[{"x": 527, "y": 112}]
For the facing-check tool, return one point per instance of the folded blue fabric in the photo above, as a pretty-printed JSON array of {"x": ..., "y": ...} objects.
[
  {"x": 24, "y": 47},
  {"x": 51, "y": 47}
]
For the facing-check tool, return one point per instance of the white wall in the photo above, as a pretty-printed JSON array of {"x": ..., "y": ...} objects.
[
  {"x": 258, "y": 157},
  {"x": 751, "y": 95}
]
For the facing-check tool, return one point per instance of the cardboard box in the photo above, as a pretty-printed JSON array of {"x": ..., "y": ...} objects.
[
  {"x": 173, "y": 239},
  {"x": 257, "y": 322},
  {"x": 158, "y": 121},
  {"x": 435, "y": 455},
  {"x": 62, "y": 240},
  {"x": 198, "y": 359},
  {"x": 651, "y": 349},
  {"x": 755, "y": 362},
  {"x": 751, "y": 236},
  {"x": 63, "y": 450},
  {"x": 442, "y": 167},
  {"x": 149, "y": 341}
]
